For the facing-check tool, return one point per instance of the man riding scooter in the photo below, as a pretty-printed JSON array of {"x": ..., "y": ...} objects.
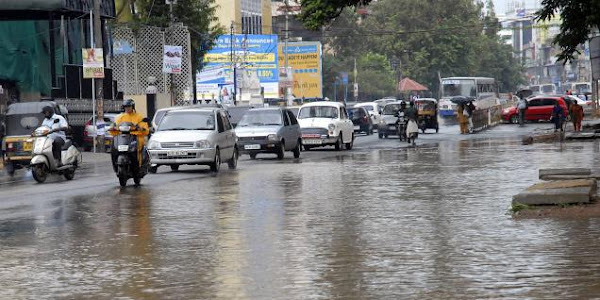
[
  {"x": 130, "y": 115},
  {"x": 57, "y": 131}
]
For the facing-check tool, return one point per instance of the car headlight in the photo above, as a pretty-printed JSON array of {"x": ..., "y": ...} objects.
[
  {"x": 202, "y": 144},
  {"x": 331, "y": 127},
  {"x": 153, "y": 145},
  {"x": 272, "y": 137}
]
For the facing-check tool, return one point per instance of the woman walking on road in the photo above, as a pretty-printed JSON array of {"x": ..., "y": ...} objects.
[
  {"x": 463, "y": 119},
  {"x": 576, "y": 115},
  {"x": 558, "y": 115}
]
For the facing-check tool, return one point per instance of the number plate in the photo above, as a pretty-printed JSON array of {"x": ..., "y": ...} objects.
[
  {"x": 356, "y": 127},
  {"x": 176, "y": 153},
  {"x": 312, "y": 142},
  {"x": 252, "y": 147},
  {"x": 392, "y": 127},
  {"x": 123, "y": 148},
  {"x": 27, "y": 146}
]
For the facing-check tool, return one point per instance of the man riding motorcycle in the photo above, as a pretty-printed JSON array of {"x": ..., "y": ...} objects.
[
  {"x": 58, "y": 125},
  {"x": 130, "y": 115}
]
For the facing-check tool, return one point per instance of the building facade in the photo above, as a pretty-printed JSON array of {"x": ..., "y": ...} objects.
[{"x": 246, "y": 16}]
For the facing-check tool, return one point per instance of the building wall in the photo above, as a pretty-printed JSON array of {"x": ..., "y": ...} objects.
[{"x": 229, "y": 11}]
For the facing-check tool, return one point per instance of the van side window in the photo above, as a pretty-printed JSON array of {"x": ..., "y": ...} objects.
[{"x": 220, "y": 125}]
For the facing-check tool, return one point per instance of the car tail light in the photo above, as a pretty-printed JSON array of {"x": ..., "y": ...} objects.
[{"x": 85, "y": 132}]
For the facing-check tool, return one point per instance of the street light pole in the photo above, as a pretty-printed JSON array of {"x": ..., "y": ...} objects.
[{"x": 285, "y": 52}]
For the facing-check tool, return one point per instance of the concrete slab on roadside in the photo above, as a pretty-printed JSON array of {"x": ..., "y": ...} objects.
[
  {"x": 581, "y": 135},
  {"x": 558, "y": 192},
  {"x": 569, "y": 174}
]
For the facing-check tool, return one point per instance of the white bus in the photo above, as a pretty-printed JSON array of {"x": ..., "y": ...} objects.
[
  {"x": 544, "y": 89},
  {"x": 578, "y": 88},
  {"x": 483, "y": 89}
]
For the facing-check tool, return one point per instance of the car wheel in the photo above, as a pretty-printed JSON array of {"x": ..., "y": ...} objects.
[
  {"x": 306, "y": 148},
  {"x": 137, "y": 180},
  {"x": 338, "y": 143},
  {"x": 281, "y": 151},
  {"x": 216, "y": 165},
  {"x": 514, "y": 119},
  {"x": 174, "y": 168},
  {"x": 153, "y": 169},
  {"x": 297, "y": 150},
  {"x": 380, "y": 134},
  {"x": 252, "y": 155},
  {"x": 10, "y": 169},
  {"x": 351, "y": 144},
  {"x": 232, "y": 163}
]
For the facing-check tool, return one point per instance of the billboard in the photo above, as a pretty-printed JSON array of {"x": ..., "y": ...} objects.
[
  {"x": 305, "y": 60},
  {"x": 93, "y": 62},
  {"x": 255, "y": 53},
  {"x": 172, "y": 59}
]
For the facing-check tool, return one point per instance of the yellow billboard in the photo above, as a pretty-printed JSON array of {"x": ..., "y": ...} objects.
[{"x": 304, "y": 58}]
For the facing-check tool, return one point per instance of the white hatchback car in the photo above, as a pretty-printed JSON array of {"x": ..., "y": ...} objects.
[
  {"x": 373, "y": 109},
  {"x": 194, "y": 136},
  {"x": 325, "y": 123}
]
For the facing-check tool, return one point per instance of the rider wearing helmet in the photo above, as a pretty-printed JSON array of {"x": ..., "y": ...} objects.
[
  {"x": 130, "y": 115},
  {"x": 58, "y": 125}
]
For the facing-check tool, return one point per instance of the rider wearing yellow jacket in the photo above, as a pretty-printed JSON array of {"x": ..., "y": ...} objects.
[{"x": 130, "y": 115}]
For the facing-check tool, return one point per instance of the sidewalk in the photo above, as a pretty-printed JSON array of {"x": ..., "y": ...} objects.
[{"x": 88, "y": 158}]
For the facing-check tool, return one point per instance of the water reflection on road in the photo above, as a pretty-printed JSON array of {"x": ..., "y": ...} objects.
[{"x": 425, "y": 223}]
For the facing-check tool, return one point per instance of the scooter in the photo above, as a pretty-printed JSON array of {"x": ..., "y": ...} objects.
[
  {"x": 124, "y": 155},
  {"x": 43, "y": 162},
  {"x": 401, "y": 125}
]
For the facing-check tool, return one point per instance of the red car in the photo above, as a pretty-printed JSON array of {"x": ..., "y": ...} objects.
[{"x": 539, "y": 109}]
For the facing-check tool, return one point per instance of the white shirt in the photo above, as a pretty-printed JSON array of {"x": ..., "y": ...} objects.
[
  {"x": 101, "y": 127},
  {"x": 62, "y": 123}
]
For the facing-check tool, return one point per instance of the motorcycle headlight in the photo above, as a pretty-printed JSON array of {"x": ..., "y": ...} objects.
[
  {"x": 331, "y": 127},
  {"x": 272, "y": 137},
  {"x": 202, "y": 144},
  {"x": 153, "y": 145},
  {"x": 124, "y": 128}
]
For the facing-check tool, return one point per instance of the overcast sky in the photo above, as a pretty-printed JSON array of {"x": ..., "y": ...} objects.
[{"x": 501, "y": 4}]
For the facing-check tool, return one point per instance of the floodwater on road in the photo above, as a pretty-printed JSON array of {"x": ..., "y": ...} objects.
[{"x": 429, "y": 222}]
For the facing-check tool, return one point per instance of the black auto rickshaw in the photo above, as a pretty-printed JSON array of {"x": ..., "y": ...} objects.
[
  {"x": 428, "y": 114},
  {"x": 20, "y": 121}
]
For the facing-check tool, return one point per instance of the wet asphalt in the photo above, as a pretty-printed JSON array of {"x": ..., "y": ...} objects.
[{"x": 382, "y": 221}]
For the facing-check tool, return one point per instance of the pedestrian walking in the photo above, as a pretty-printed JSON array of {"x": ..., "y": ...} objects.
[
  {"x": 463, "y": 119},
  {"x": 558, "y": 116},
  {"x": 577, "y": 115},
  {"x": 522, "y": 107},
  {"x": 470, "y": 108}
]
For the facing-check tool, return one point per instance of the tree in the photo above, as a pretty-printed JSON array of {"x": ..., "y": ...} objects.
[
  {"x": 579, "y": 19},
  {"x": 316, "y": 13}
]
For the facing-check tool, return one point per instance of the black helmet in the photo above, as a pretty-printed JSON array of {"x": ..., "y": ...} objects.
[
  {"x": 48, "y": 109},
  {"x": 402, "y": 103},
  {"x": 128, "y": 102}
]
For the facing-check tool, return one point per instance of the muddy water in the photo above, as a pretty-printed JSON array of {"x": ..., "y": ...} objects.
[{"x": 424, "y": 223}]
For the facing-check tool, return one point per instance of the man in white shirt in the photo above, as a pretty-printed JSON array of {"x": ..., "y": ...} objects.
[
  {"x": 58, "y": 125},
  {"x": 100, "y": 133}
]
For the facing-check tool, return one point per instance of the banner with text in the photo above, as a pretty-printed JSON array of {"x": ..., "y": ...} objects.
[
  {"x": 172, "y": 59},
  {"x": 93, "y": 62},
  {"x": 304, "y": 58}
]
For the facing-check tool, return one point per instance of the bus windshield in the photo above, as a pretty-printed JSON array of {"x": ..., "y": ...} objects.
[{"x": 459, "y": 87}]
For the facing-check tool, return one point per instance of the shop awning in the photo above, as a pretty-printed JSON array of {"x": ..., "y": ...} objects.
[
  {"x": 41, "y": 9},
  {"x": 409, "y": 85}
]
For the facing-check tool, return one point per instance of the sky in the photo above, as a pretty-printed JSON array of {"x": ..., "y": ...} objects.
[{"x": 502, "y": 4}]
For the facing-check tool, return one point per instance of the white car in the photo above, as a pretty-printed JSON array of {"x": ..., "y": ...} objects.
[
  {"x": 324, "y": 124},
  {"x": 194, "y": 136},
  {"x": 373, "y": 109}
]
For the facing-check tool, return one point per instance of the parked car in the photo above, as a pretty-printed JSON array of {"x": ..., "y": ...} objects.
[
  {"x": 382, "y": 102},
  {"x": 89, "y": 132},
  {"x": 361, "y": 120},
  {"x": 387, "y": 125},
  {"x": 325, "y": 123},
  {"x": 539, "y": 109},
  {"x": 374, "y": 111},
  {"x": 194, "y": 136},
  {"x": 269, "y": 130}
]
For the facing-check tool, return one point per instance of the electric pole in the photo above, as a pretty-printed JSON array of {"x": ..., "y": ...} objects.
[
  {"x": 233, "y": 65},
  {"x": 285, "y": 53},
  {"x": 170, "y": 2}
]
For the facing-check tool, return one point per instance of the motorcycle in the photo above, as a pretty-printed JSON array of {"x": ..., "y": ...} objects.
[
  {"x": 401, "y": 125},
  {"x": 43, "y": 162},
  {"x": 124, "y": 155}
]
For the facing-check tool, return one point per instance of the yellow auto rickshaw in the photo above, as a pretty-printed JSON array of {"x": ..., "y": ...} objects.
[
  {"x": 20, "y": 121},
  {"x": 428, "y": 114}
]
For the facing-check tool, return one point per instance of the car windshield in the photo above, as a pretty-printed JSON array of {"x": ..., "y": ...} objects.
[
  {"x": 330, "y": 112},
  {"x": 391, "y": 109},
  {"x": 261, "y": 118},
  {"x": 188, "y": 121}
]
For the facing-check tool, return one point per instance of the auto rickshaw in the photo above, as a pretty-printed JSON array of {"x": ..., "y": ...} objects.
[
  {"x": 428, "y": 114},
  {"x": 21, "y": 120}
]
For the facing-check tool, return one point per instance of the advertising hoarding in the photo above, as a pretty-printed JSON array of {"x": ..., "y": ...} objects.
[
  {"x": 93, "y": 62},
  {"x": 255, "y": 53},
  {"x": 305, "y": 60}
]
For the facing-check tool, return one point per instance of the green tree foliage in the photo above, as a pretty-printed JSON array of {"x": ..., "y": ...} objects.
[
  {"x": 579, "y": 18},
  {"x": 197, "y": 15},
  {"x": 424, "y": 37},
  {"x": 316, "y": 13}
]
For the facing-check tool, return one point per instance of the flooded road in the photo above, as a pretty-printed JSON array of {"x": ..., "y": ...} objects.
[{"x": 417, "y": 223}]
